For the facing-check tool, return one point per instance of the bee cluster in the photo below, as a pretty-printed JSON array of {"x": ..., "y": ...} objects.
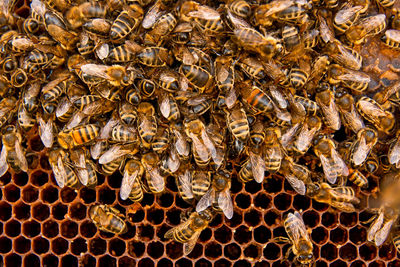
[{"x": 207, "y": 95}]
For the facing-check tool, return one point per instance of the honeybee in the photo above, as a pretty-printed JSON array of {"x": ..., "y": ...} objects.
[
  {"x": 344, "y": 55},
  {"x": 55, "y": 88},
  {"x": 286, "y": 11},
  {"x": 182, "y": 33},
  {"x": 299, "y": 237},
  {"x": 366, "y": 140},
  {"x": 310, "y": 127},
  {"x": 97, "y": 149},
  {"x": 394, "y": 152},
  {"x": 396, "y": 19},
  {"x": 225, "y": 78},
  {"x": 126, "y": 22},
  {"x": 355, "y": 80},
  {"x": 131, "y": 186},
  {"x": 368, "y": 26},
  {"x": 168, "y": 80},
  {"x": 127, "y": 114},
  {"x": 78, "y": 136},
  {"x": 201, "y": 182},
  {"x": 373, "y": 112},
  {"x": 155, "y": 181},
  {"x": 319, "y": 68},
  {"x": 77, "y": 15},
  {"x": 205, "y": 17},
  {"x": 197, "y": 76},
  {"x": 357, "y": 178},
  {"x": 273, "y": 151},
  {"x": 97, "y": 27},
  {"x": 147, "y": 124},
  {"x": 392, "y": 38},
  {"x": 12, "y": 154},
  {"x": 188, "y": 232},
  {"x": 252, "y": 67},
  {"x": 11, "y": 41},
  {"x": 239, "y": 7},
  {"x": 180, "y": 143},
  {"x": 341, "y": 197},
  {"x": 256, "y": 98},
  {"x": 115, "y": 75},
  {"x": 25, "y": 120},
  {"x": 384, "y": 95},
  {"x": 218, "y": 196},
  {"x": 7, "y": 108},
  {"x": 124, "y": 134},
  {"x": 238, "y": 123},
  {"x": 154, "y": 56},
  {"x": 310, "y": 106},
  {"x": 345, "y": 17},
  {"x": 153, "y": 14},
  {"x": 326, "y": 102},
  {"x": 168, "y": 107},
  {"x": 82, "y": 170},
  {"x": 350, "y": 117},
  {"x": 297, "y": 175},
  {"x": 46, "y": 129},
  {"x": 184, "y": 184},
  {"x": 5, "y": 86},
  {"x": 162, "y": 27},
  {"x": 332, "y": 163},
  {"x": 108, "y": 219}
]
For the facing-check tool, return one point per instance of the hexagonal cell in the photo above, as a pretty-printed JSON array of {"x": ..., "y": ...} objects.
[
  {"x": 13, "y": 228},
  {"x": 236, "y": 219},
  {"x": 78, "y": 246},
  {"x": 279, "y": 231},
  {"x": 59, "y": 245},
  {"x": 13, "y": 260},
  {"x": 155, "y": 249},
  {"x": 242, "y": 235},
  {"x": 367, "y": 251},
  {"x": 311, "y": 218},
  {"x": 5, "y": 245},
  {"x": 145, "y": 262},
  {"x": 236, "y": 186},
  {"x": 165, "y": 200},
  {"x": 97, "y": 246},
  {"x": 87, "y": 195},
  {"x": 223, "y": 234},
  {"x": 106, "y": 195},
  {"x": 87, "y": 229},
  {"x": 243, "y": 200},
  {"x": 116, "y": 247},
  {"x": 173, "y": 216},
  {"x": 197, "y": 252},
  {"x": 50, "y": 229},
  {"x": 69, "y": 229},
  {"x": 146, "y": 232},
  {"x": 319, "y": 206},
  {"x": 114, "y": 180},
  {"x": 184, "y": 263},
  {"x": 21, "y": 245},
  {"x": 261, "y": 234},
  {"x": 348, "y": 252},
  {"x": 139, "y": 215},
  {"x": 272, "y": 251},
  {"x": 358, "y": 235},
  {"x": 394, "y": 263},
  {"x": 165, "y": 262},
  {"x": 40, "y": 245},
  {"x": 50, "y": 260},
  {"x": 261, "y": 264},
  {"x": 338, "y": 235},
  {"x": 232, "y": 251},
  {"x": 49, "y": 194},
  {"x": 377, "y": 264},
  {"x": 213, "y": 250},
  {"x": 180, "y": 203},
  {"x": 203, "y": 263},
  {"x": 136, "y": 248},
  {"x": 11, "y": 193},
  {"x": 272, "y": 217},
  {"x": 39, "y": 178},
  {"x": 125, "y": 261},
  {"x": 348, "y": 219},
  {"x": 329, "y": 252},
  {"x": 262, "y": 201},
  {"x": 5, "y": 211},
  {"x": 36, "y": 144},
  {"x": 107, "y": 260},
  {"x": 174, "y": 250},
  {"x": 69, "y": 260},
  {"x": 68, "y": 194},
  {"x": 31, "y": 260},
  {"x": 301, "y": 202},
  {"x": 283, "y": 201},
  {"x": 205, "y": 235},
  {"x": 321, "y": 263},
  {"x": 387, "y": 251},
  {"x": 58, "y": 211},
  {"x": 252, "y": 251},
  {"x": 45, "y": 165},
  {"x": 155, "y": 216},
  {"x": 40, "y": 212},
  {"x": 329, "y": 219},
  {"x": 30, "y": 194},
  {"x": 273, "y": 184},
  {"x": 252, "y": 217},
  {"x": 31, "y": 228},
  {"x": 21, "y": 211},
  {"x": 319, "y": 235},
  {"x": 21, "y": 178},
  {"x": 252, "y": 187},
  {"x": 130, "y": 233}
]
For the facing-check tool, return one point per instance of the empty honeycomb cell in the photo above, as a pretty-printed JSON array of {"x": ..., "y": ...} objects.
[
  {"x": 59, "y": 246},
  {"x": 11, "y": 193},
  {"x": 97, "y": 246},
  {"x": 174, "y": 250},
  {"x": 197, "y": 251},
  {"x": 50, "y": 260},
  {"x": 319, "y": 235},
  {"x": 367, "y": 251},
  {"x": 155, "y": 216},
  {"x": 138, "y": 216},
  {"x": 348, "y": 252},
  {"x": 148, "y": 200},
  {"x": 165, "y": 262},
  {"x": 329, "y": 219},
  {"x": 68, "y": 261},
  {"x": 130, "y": 233},
  {"x": 31, "y": 228},
  {"x": 236, "y": 219},
  {"x": 5, "y": 179},
  {"x": 58, "y": 211},
  {"x": 78, "y": 246},
  {"x": 173, "y": 216},
  {"x": 183, "y": 263},
  {"x": 21, "y": 245},
  {"x": 338, "y": 235},
  {"x": 49, "y": 194},
  {"x": 223, "y": 234},
  {"x": 387, "y": 251},
  {"x": 155, "y": 249},
  {"x": 40, "y": 212},
  {"x": 69, "y": 229},
  {"x": 279, "y": 231},
  {"x": 136, "y": 248},
  {"x": 301, "y": 202},
  {"x": 45, "y": 165},
  {"x": 236, "y": 186},
  {"x": 329, "y": 252},
  {"x": 252, "y": 251},
  {"x": 358, "y": 263},
  {"x": 77, "y": 211},
  {"x": 5, "y": 244},
  {"x": 262, "y": 201},
  {"x": 242, "y": 234},
  {"x": 283, "y": 201},
  {"x": 146, "y": 262},
  {"x": 272, "y": 217},
  {"x": 114, "y": 180},
  {"x": 12, "y": 228},
  {"x": 107, "y": 261},
  {"x": 377, "y": 264},
  {"x": 39, "y": 178},
  {"x": 146, "y": 232},
  {"x": 180, "y": 203},
  {"x": 203, "y": 263},
  {"x": 116, "y": 247},
  {"x": 272, "y": 251},
  {"x": 13, "y": 260},
  {"x": 171, "y": 184},
  {"x": 358, "y": 234},
  {"x": 232, "y": 251},
  {"x": 217, "y": 221},
  {"x": 212, "y": 250},
  {"x": 273, "y": 184},
  {"x": 338, "y": 263},
  {"x": 253, "y": 187},
  {"x": 106, "y": 195},
  {"x": 394, "y": 263},
  {"x": 311, "y": 218},
  {"x": 88, "y": 260},
  {"x": 87, "y": 229},
  {"x": 165, "y": 200},
  {"x": 50, "y": 228},
  {"x": 261, "y": 234},
  {"x": 68, "y": 195},
  {"x": 318, "y": 206},
  {"x": 40, "y": 245},
  {"x": 30, "y": 194},
  {"x": 87, "y": 195},
  {"x": 31, "y": 260},
  {"x": 348, "y": 219},
  {"x": 252, "y": 217},
  {"x": 36, "y": 143},
  {"x": 205, "y": 235},
  {"x": 126, "y": 262},
  {"x": 21, "y": 178}
]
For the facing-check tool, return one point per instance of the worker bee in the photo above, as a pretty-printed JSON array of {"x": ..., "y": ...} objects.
[
  {"x": 98, "y": 27},
  {"x": 46, "y": 129},
  {"x": 345, "y": 17},
  {"x": 55, "y": 88},
  {"x": 63, "y": 172},
  {"x": 188, "y": 232},
  {"x": 155, "y": 181},
  {"x": 239, "y": 7},
  {"x": 318, "y": 70},
  {"x": 310, "y": 127},
  {"x": 355, "y": 80},
  {"x": 168, "y": 107},
  {"x": 256, "y": 98},
  {"x": 131, "y": 186},
  {"x": 366, "y": 140},
  {"x": 225, "y": 78},
  {"x": 296, "y": 175},
  {"x": 384, "y": 95},
  {"x": 392, "y": 38},
  {"x": 184, "y": 184},
  {"x": 153, "y": 14},
  {"x": 77, "y": 15},
  {"x": 252, "y": 67},
  {"x": 162, "y": 27},
  {"x": 124, "y": 134},
  {"x": 115, "y": 75},
  {"x": 197, "y": 76},
  {"x": 12, "y": 154},
  {"x": 350, "y": 117},
  {"x": 326, "y": 102},
  {"x": 12, "y": 41},
  {"x": 5, "y": 86},
  {"x": 7, "y": 109},
  {"x": 161, "y": 141},
  {"x": 310, "y": 106},
  {"x": 123, "y": 53},
  {"x": 285, "y": 11},
  {"x": 147, "y": 124},
  {"x": 82, "y": 170},
  {"x": 290, "y": 37},
  {"x": 273, "y": 151},
  {"x": 108, "y": 219},
  {"x": 341, "y": 197},
  {"x": 373, "y": 112},
  {"x": 344, "y": 55},
  {"x": 205, "y": 17},
  {"x": 380, "y": 229},
  {"x": 218, "y": 196},
  {"x": 25, "y": 120},
  {"x": 180, "y": 143},
  {"x": 298, "y": 76},
  {"x": 127, "y": 114},
  {"x": 332, "y": 163},
  {"x": 357, "y": 178},
  {"x": 78, "y": 135},
  {"x": 169, "y": 81},
  {"x": 9, "y": 64},
  {"x": 182, "y": 33},
  {"x": 386, "y": 3},
  {"x": 126, "y": 22},
  {"x": 238, "y": 124},
  {"x": 368, "y": 26},
  {"x": 97, "y": 148}
]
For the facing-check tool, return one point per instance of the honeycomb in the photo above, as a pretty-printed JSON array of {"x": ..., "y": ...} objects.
[{"x": 43, "y": 225}]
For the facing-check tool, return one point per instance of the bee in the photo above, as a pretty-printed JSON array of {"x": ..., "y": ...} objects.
[
  {"x": 180, "y": 143},
  {"x": 273, "y": 151},
  {"x": 310, "y": 106},
  {"x": 11, "y": 41},
  {"x": 31, "y": 25},
  {"x": 218, "y": 196},
  {"x": 12, "y": 154},
  {"x": 310, "y": 127},
  {"x": 62, "y": 168},
  {"x": 344, "y": 55},
  {"x": 366, "y": 140},
  {"x": 326, "y": 102},
  {"x": 182, "y": 33},
  {"x": 18, "y": 78},
  {"x": 123, "y": 53},
  {"x": 380, "y": 228},
  {"x": 126, "y": 22},
  {"x": 127, "y": 114},
  {"x": 197, "y": 76},
  {"x": 285, "y": 11},
  {"x": 9, "y": 64},
  {"x": 205, "y": 17},
  {"x": 92, "y": 174},
  {"x": 115, "y": 75},
  {"x": 153, "y": 14},
  {"x": 98, "y": 27},
  {"x": 290, "y": 37},
  {"x": 355, "y": 80},
  {"x": 55, "y": 88},
  {"x": 25, "y": 120},
  {"x": 168, "y": 107},
  {"x": 162, "y": 27},
  {"x": 78, "y": 135},
  {"x": 252, "y": 40},
  {"x": 188, "y": 232},
  {"x": 184, "y": 184},
  {"x": 146, "y": 87},
  {"x": 341, "y": 197},
  {"x": 131, "y": 186},
  {"x": 392, "y": 38},
  {"x": 252, "y": 67},
  {"x": 169, "y": 81},
  {"x": 238, "y": 124},
  {"x": 346, "y": 17},
  {"x": 155, "y": 57},
  {"x": 357, "y": 178},
  {"x": 332, "y": 163},
  {"x": 97, "y": 148},
  {"x": 394, "y": 151},
  {"x": 225, "y": 78},
  {"x": 86, "y": 45},
  {"x": 5, "y": 86},
  {"x": 161, "y": 141},
  {"x": 298, "y": 176},
  {"x": 110, "y": 167},
  {"x": 108, "y": 219},
  {"x": 155, "y": 181},
  {"x": 384, "y": 95},
  {"x": 240, "y": 8},
  {"x": 368, "y": 26},
  {"x": 80, "y": 162},
  {"x": 373, "y": 112},
  {"x": 318, "y": 70},
  {"x": 7, "y": 109},
  {"x": 298, "y": 76},
  {"x": 372, "y": 163},
  {"x": 46, "y": 129},
  {"x": 201, "y": 182},
  {"x": 147, "y": 124},
  {"x": 299, "y": 237},
  {"x": 396, "y": 19},
  {"x": 256, "y": 98},
  {"x": 124, "y": 134},
  {"x": 350, "y": 117},
  {"x": 77, "y": 15}
]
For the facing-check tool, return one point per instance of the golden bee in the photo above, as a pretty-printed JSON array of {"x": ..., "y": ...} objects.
[
  {"x": 124, "y": 134},
  {"x": 97, "y": 27},
  {"x": 308, "y": 130},
  {"x": 355, "y": 80},
  {"x": 12, "y": 153},
  {"x": 147, "y": 124},
  {"x": 326, "y": 102},
  {"x": 394, "y": 152},
  {"x": 256, "y": 98},
  {"x": 368, "y": 26},
  {"x": 116, "y": 75},
  {"x": 285, "y": 11},
  {"x": 78, "y": 135},
  {"x": 161, "y": 28},
  {"x": 344, "y": 55},
  {"x": 298, "y": 176},
  {"x": 131, "y": 186},
  {"x": 357, "y": 178},
  {"x": 273, "y": 151},
  {"x": 392, "y": 38},
  {"x": 126, "y": 22},
  {"x": 108, "y": 219},
  {"x": 252, "y": 67},
  {"x": 366, "y": 140},
  {"x": 349, "y": 115},
  {"x": 7, "y": 108},
  {"x": 205, "y": 17},
  {"x": 225, "y": 78},
  {"x": 77, "y": 15},
  {"x": 155, "y": 182},
  {"x": 238, "y": 124},
  {"x": 168, "y": 107},
  {"x": 345, "y": 17}
]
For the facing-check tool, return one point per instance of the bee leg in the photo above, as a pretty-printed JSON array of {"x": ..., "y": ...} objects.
[
  {"x": 369, "y": 220},
  {"x": 281, "y": 239}
]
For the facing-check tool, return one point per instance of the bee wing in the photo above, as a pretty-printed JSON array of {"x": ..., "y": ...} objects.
[
  {"x": 75, "y": 120},
  {"x": 257, "y": 167},
  {"x": 106, "y": 130},
  {"x": 97, "y": 149},
  {"x": 331, "y": 113},
  {"x": 382, "y": 234},
  {"x": 354, "y": 76},
  {"x": 21, "y": 156},
  {"x": 3, "y": 161},
  {"x": 205, "y": 12},
  {"x": 230, "y": 98},
  {"x": 340, "y": 162},
  {"x": 156, "y": 179},
  {"x": 353, "y": 119},
  {"x": 345, "y": 193},
  {"x": 127, "y": 182},
  {"x": 375, "y": 226},
  {"x": 361, "y": 150},
  {"x": 63, "y": 106},
  {"x": 46, "y": 131},
  {"x": 288, "y": 136},
  {"x": 343, "y": 206},
  {"x": 152, "y": 16},
  {"x": 189, "y": 245},
  {"x": 113, "y": 153},
  {"x": 59, "y": 172},
  {"x": 273, "y": 153},
  {"x": 222, "y": 73},
  {"x": 278, "y": 97},
  {"x": 394, "y": 152},
  {"x": 185, "y": 180},
  {"x": 173, "y": 161},
  {"x": 82, "y": 171},
  {"x": 345, "y": 14},
  {"x": 182, "y": 147},
  {"x": 200, "y": 148},
  {"x": 371, "y": 109},
  {"x": 206, "y": 200},
  {"x": 296, "y": 229},
  {"x": 165, "y": 107},
  {"x": 326, "y": 165},
  {"x": 170, "y": 233},
  {"x": 277, "y": 6},
  {"x": 145, "y": 123},
  {"x": 209, "y": 143},
  {"x": 297, "y": 184},
  {"x": 95, "y": 70},
  {"x": 304, "y": 138},
  {"x": 102, "y": 51},
  {"x": 225, "y": 203}
]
